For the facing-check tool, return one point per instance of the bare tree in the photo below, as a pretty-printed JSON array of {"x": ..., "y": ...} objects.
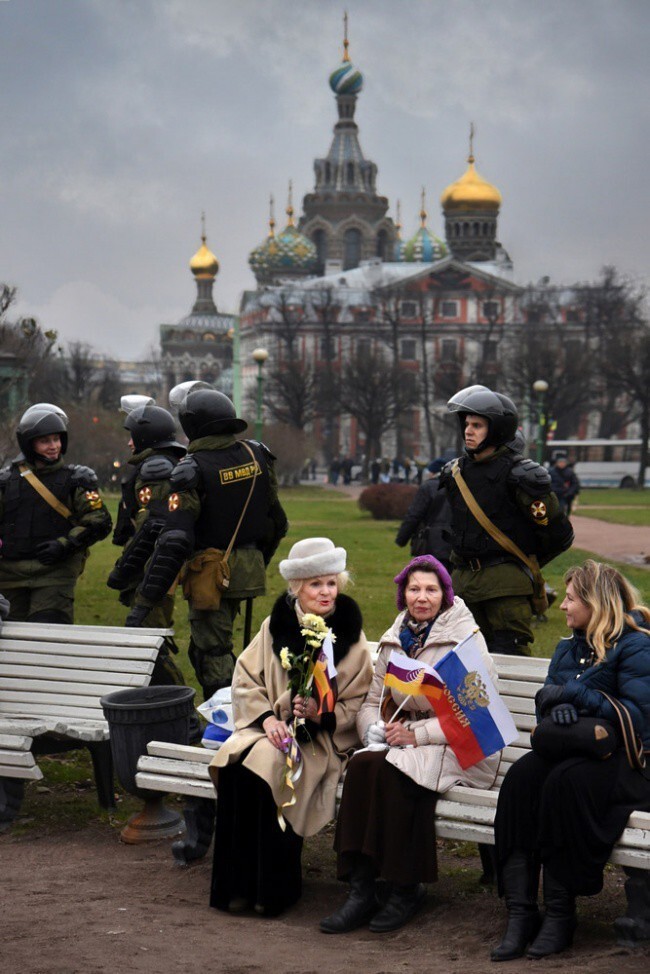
[
  {"x": 322, "y": 305},
  {"x": 290, "y": 387}
]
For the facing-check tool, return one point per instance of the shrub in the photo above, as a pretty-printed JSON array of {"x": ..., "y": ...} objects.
[{"x": 387, "y": 502}]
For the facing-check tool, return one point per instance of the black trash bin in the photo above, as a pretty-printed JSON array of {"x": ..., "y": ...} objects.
[{"x": 136, "y": 717}]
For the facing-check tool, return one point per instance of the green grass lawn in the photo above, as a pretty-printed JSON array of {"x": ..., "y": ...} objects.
[
  {"x": 615, "y": 506},
  {"x": 373, "y": 559},
  {"x": 66, "y": 797}
]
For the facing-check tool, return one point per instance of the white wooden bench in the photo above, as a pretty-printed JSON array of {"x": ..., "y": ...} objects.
[
  {"x": 51, "y": 680},
  {"x": 462, "y": 813}
]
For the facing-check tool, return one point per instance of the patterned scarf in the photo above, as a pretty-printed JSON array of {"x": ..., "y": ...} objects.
[{"x": 413, "y": 634}]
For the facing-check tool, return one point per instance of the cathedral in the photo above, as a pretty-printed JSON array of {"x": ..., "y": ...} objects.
[{"x": 339, "y": 283}]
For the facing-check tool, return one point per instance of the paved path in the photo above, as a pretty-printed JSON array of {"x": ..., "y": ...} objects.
[{"x": 621, "y": 542}]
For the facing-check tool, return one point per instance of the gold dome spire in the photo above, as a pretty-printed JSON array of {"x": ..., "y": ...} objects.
[
  {"x": 204, "y": 264},
  {"x": 471, "y": 191},
  {"x": 398, "y": 221},
  {"x": 423, "y": 209},
  {"x": 289, "y": 210},
  {"x": 271, "y": 217}
]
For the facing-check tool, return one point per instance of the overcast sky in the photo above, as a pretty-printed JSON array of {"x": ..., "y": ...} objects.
[{"x": 121, "y": 120}]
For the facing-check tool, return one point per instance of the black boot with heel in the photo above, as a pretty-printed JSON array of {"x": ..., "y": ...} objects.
[
  {"x": 520, "y": 881},
  {"x": 558, "y": 927}
]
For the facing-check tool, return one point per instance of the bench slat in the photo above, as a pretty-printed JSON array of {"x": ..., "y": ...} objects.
[
  {"x": 60, "y": 708},
  {"x": 97, "y": 650},
  {"x": 28, "y": 774},
  {"x": 518, "y": 705},
  {"x": 176, "y": 786},
  {"x": 167, "y": 766},
  {"x": 33, "y": 689},
  {"x": 23, "y": 664},
  {"x": 15, "y": 742},
  {"x": 183, "y": 752},
  {"x": 17, "y": 759},
  {"x": 93, "y": 635}
]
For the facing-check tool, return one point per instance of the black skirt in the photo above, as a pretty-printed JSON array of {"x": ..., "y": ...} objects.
[
  {"x": 568, "y": 815},
  {"x": 387, "y": 817},
  {"x": 253, "y": 858}
]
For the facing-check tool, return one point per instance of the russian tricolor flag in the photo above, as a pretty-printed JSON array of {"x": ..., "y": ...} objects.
[{"x": 473, "y": 716}]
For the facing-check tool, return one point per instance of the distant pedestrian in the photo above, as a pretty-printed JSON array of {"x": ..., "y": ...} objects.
[
  {"x": 564, "y": 481},
  {"x": 375, "y": 468},
  {"x": 428, "y": 520}
]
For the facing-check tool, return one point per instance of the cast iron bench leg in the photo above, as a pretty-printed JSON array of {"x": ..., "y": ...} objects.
[
  {"x": 199, "y": 829},
  {"x": 11, "y": 797},
  {"x": 100, "y": 752},
  {"x": 635, "y": 925}
]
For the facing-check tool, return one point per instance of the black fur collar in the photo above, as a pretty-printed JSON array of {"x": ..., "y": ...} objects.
[{"x": 345, "y": 622}]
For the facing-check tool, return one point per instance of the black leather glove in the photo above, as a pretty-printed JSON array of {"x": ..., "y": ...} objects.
[
  {"x": 547, "y": 697},
  {"x": 5, "y": 606},
  {"x": 116, "y": 579},
  {"x": 136, "y": 616},
  {"x": 49, "y": 552},
  {"x": 564, "y": 713}
]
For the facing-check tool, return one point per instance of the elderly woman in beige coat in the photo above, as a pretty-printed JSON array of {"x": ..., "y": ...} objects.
[
  {"x": 385, "y": 827},
  {"x": 256, "y": 862}
]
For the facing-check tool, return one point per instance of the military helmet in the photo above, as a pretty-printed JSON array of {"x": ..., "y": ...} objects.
[
  {"x": 206, "y": 411},
  {"x": 42, "y": 419},
  {"x": 133, "y": 400},
  {"x": 499, "y": 411},
  {"x": 179, "y": 392},
  {"x": 151, "y": 426}
]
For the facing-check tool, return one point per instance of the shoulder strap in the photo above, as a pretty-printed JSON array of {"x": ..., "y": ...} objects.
[
  {"x": 487, "y": 524},
  {"x": 633, "y": 747},
  {"x": 250, "y": 494},
  {"x": 41, "y": 489}
]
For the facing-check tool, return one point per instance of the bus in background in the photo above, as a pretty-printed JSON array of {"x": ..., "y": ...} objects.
[{"x": 602, "y": 463}]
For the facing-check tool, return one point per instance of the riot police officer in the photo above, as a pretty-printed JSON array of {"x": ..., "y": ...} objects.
[
  {"x": 515, "y": 495},
  {"x": 145, "y": 493},
  {"x": 50, "y": 514},
  {"x": 211, "y": 487}
]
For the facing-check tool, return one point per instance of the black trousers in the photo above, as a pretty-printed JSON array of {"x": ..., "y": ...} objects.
[
  {"x": 253, "y": 857},
  {"x": 567, "y": 815}
]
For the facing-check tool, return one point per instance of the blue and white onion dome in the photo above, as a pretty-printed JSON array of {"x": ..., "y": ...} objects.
[
  {"x": 424, "y": 246},
  {"x": 346, "y": 79},
  {"x": 289, "y": 250}
]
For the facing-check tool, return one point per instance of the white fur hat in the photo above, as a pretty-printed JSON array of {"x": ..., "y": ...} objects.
[{"x": 312, "y": 557}]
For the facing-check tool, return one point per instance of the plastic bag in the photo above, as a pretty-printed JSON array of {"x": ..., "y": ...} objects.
[{"x": 218, "y": 713}]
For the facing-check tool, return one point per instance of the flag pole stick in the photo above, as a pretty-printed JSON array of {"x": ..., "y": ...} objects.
[{"x": 400, "y": 707}]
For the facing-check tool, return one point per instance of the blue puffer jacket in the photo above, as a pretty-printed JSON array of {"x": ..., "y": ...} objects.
[{"x": 625, "y": 674}]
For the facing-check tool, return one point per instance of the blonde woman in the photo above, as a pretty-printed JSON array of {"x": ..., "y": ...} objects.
[{"x": 567, "y": 816}]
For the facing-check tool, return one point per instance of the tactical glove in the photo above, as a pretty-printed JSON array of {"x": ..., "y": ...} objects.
[
  {"x": 564, "y": 713},
  {"x": 136, "y": 616},
  {"x": 116, "y": 579},
  {"x": 49, "y": 552}
]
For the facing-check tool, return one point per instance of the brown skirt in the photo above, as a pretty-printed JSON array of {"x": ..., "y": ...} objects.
[{"x": 387, "y": 817}]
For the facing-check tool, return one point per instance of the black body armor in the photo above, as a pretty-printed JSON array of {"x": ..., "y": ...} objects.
[
  {"x": 225, "y": 483},
  {"x": 490, "y": 484},
  {"x": 28, "y": 520}
]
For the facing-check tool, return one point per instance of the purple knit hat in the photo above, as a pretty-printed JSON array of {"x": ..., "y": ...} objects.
[{"x": 425, "y": 563}]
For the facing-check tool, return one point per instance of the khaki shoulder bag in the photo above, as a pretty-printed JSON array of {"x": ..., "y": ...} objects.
[
  {"x": 207, "y": 576},
  {"x": 539, "y": 598}
]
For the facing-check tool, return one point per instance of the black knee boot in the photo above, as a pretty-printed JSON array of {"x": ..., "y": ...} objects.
[
  {"x": 402, "y": 904},
  {"x": 520, "y": 881},
  {"x": 556, "y": 933},
  {"x": 361, "y": 903}
]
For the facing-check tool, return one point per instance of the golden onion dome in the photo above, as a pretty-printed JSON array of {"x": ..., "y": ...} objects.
[
  {"x": 204, "y": 264},
  {"x": 471, "y": 191}
]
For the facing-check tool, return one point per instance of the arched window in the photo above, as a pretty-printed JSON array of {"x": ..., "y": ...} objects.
[
  {"x": 382, "y": 244},
  {"x": 351, "y": 248},
  {"x": 319, "y": 239}
]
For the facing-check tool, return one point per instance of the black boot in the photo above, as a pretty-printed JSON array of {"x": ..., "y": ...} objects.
[
  {"x": 361, "y": 903},
  {"x": 520, "y": 881},
  {"x": 556, "y": 933},
  {"x": 488, "y": 861},
  {"x": 402, "y": 904}
]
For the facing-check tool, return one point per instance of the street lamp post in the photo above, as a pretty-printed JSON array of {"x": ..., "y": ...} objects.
[
  {"x": 540, "y": 387},
  {"x": 260, "y": 355}
]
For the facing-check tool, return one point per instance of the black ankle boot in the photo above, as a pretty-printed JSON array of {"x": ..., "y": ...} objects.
[
  {"x": 402, "y": 904},
  {"x": 361, "y": 904},
  {"x": 558, "y": 926},
  {"x": 520, "y": 880}
]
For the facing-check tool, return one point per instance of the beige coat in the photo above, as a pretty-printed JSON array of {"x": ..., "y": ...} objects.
[
  {"x": 431, "y": 763},
  {"x": 260, "y": 685}
]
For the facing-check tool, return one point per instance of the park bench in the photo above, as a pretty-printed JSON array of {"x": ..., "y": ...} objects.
[
  {"x": 51, "y": 680},
  {"x": 465, "y": 814}
]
